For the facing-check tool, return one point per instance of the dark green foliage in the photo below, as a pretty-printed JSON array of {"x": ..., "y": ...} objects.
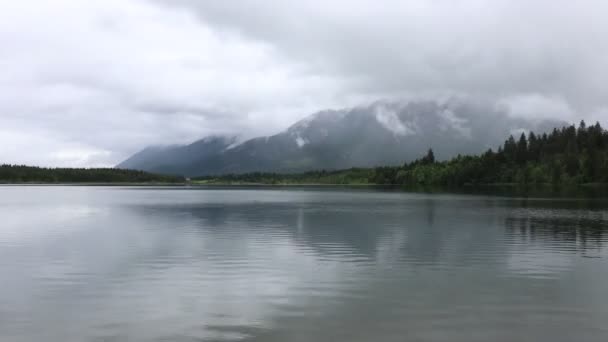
[
  {"x": 350, "y": 176},
  {"x": 29, "y": 174},
  {"x": 569, "y": 155},
  {"x": 565, "y": 156},
  {"x": 429, "y": 158},
  {"x": 521, "y": 155}
]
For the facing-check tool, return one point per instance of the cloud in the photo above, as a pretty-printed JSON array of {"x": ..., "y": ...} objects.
[
  {"x": 118, "y": 75},
  {"x": 555, "y": 48},
  {"x": 388, "y": 119},
  {"x": 539, "y": 106},
  {"x": 102, "y": 79}
]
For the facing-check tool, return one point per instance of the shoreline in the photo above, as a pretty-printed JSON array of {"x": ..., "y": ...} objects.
[
  {"x": 93, "y": 184},
  {"x": 194, "y": 184},
  {"x": 468, "y": 185}
]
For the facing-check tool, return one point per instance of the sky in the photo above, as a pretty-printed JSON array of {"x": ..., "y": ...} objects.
[{"x": 87, "y": 83}]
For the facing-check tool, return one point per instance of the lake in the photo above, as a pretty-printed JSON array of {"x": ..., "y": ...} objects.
[{"x": 299, "y": 264}]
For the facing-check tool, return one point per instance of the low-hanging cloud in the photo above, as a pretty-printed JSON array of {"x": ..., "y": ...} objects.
[{"x": 86, "y": 83}]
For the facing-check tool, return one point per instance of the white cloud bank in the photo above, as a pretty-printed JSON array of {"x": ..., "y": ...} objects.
[{"x": 86, "y": 83}]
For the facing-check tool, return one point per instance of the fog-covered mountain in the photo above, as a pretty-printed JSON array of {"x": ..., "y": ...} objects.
[
  {"x": 176, "y": 158},
  {"x": 384, "y": 133}
]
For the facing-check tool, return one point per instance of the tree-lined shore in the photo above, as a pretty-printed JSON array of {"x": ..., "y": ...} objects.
[
  {"x": 567, "y": 156},
  {"x": 20, "y": 174}
]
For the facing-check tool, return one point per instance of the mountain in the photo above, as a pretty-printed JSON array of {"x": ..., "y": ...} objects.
[
  {"x": 175, "y": 158},
  {"x": 383, "y": 133}
]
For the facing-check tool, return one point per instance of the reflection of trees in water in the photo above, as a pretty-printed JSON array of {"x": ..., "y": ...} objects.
[
  {"x": 420, "y": 231},
  {"x": 350, "y": 229},
  {"x": 570, "y": 230}
]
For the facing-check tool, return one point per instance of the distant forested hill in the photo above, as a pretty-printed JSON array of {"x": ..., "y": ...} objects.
[
  {"x": 570, "y": 155},
  {"x": 29, "y": 174}
]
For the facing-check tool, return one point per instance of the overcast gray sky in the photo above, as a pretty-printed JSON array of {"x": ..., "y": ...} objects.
[{"x": 87, "y": 83}]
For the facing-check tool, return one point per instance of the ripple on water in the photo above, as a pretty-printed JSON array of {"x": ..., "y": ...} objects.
[{"x": 221, "y": 265}]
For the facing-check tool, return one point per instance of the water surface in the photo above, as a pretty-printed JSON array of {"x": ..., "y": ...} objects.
[{"x": 179, "y": 264}]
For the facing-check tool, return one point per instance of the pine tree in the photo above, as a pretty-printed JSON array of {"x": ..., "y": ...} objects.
[
  {"x": 429, "y": 158},
  {"x": 534, "y": 146},
  {"x": 510, "y": 149},
  {"x": 571, "y": 158},
  {"x": 521, "y": 153}
]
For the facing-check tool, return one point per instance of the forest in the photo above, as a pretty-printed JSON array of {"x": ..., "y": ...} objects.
[
  {"x": 10, "y": 174},
  {"x": 567, "y": 156}
]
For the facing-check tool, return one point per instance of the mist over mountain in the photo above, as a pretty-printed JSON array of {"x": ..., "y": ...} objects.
[
  {"x": 383, "y": 133},
  {"x": 175, "y": 158}
]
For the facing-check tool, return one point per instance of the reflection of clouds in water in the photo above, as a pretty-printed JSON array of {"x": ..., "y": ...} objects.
[
  {"x": 272, "y": 265},
  {"x": 390, "y": 248},
  {"x": 540, "y": 263},
  {"x": 236, "y": 282},
  {"x": 25, "y": 223},
  {"x": 239, "y": 272}
]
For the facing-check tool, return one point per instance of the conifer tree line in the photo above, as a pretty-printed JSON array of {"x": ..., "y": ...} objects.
[
  {"x": 570, "y": 155},
  {"x": 29, "y": 174}
]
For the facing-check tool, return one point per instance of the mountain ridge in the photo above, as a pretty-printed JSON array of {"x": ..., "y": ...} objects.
[{"x": 382, "y": 133}]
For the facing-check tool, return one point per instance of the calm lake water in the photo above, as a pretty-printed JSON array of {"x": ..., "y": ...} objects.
[{"x": 179, "y": 264}]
